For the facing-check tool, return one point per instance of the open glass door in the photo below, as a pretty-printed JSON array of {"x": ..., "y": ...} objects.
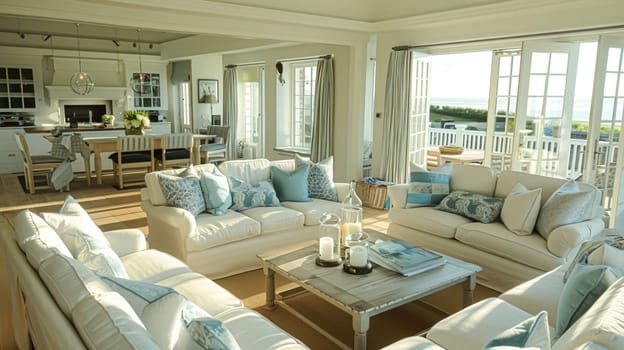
[
  {"x": 250, "y": 128},
  {"x": 419, "y": 109},
  {"x": 502, "y": 108},
  {"x": 603, "y": 166},
  {"x": 544, "y": 114}
]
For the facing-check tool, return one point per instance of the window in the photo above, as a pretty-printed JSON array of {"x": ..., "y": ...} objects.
[
  {"x": 150, "y": 95},
  {"x": 296, "y": 99},
  {"x": 250, "y": 93}
]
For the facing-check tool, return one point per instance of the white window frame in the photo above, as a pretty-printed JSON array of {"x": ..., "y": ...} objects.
[{"x": 300, "y": 138}]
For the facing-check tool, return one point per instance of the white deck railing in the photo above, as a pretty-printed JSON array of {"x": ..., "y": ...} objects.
[{"x": 502, "y": 144}]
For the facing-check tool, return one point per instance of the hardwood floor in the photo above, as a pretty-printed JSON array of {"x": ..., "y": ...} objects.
[{"x": 112, "y": 209}]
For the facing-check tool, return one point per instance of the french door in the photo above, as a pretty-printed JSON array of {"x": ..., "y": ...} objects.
[
  {"x": 419, "y": 109},
  {"x": 603, "y": 163},
  {"x": 541, "y": 140},
  {"x": 250, "y": 128}
]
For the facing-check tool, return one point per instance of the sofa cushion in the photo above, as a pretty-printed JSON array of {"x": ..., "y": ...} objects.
[
  {"x": 314, "y": 209},
  {"x": 196, "y": 287},
  {"x": 585, "y": 285},
  {"x": 291, "y": 185},
  {"x": 158, "y": 307},
  {"x": 37, "y": 239},
  {"x": 320, "y": 178},
  {"x": 413, "y": 343},
  {"x": 106, "y": 321},
  {"x": 427, "y": 188},
  {"x": 152, "y": 183},
  {"x": 496, "y": 239},
  {"x": 474, "y": 326},
  {"x": 217, "y": 230},
  {"x": 508, "y": 179},
  {"x": 247, "y": 195},
  {"x": 429, "y": 220},
  {"x": 253, "y": 171},
  {"x": 540, "y": 293},
  {"x": 274, "y": 219},
  {"x": 472, "y": 205},
  {"x": 567, "y": 205},
  {"x": 69, "y": 281},
  {"x": 183, "y": 192},
  {"x": 520, "y": 209},
  {"x": 216, "y": 191},
  {"x": 152, "y": 266},
  {"x": 601, "y": 324},
  {"x": 463, "y": 179},
  {"x": 533, "y": 332},
  {"x": 202, "y": 331}
]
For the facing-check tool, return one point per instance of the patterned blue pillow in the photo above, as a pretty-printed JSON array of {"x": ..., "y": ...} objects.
[
  {"x": 216, "y": 191},
  {"x": 201, "y": 331},
  {"x": 427, "y": 188},
  {"x": 472, "y": 205},
  {"x": 291, "y": 186},
  {"x": 320, "y": 178},
  {"x": 183, "y": 192},
  {"x": 246, "y": 195}
]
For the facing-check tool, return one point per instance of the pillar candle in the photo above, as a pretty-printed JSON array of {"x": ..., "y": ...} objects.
[
  {"x": 358, "y": 256},
  {"x": 326, "y": 248}
]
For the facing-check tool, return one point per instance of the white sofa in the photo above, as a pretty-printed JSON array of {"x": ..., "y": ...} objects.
[
  {"x": 40, "y": 320},
  {"x": 472, "y": 327},
  {"x": 218, "y": 246},
  {"x": 507, "y": 259}
]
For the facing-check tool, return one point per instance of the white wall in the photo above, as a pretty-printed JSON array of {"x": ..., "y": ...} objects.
[
  {"x": 206, "y": 67},
  {"x": 346, "y": 146}
]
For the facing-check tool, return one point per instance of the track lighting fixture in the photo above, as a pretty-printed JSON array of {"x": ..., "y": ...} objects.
[
  {"x": 116, "y": 43},
  {"x": 46, "y": 37},
  {"x": 21, "y": 35}
]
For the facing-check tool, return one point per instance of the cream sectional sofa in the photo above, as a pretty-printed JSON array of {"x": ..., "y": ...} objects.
[
  {"x": 218, "y": 246},
  {"x": 600, "y": 328},
  {"x": 51, "y": 314},
  {"x": 506, "y": 258}
]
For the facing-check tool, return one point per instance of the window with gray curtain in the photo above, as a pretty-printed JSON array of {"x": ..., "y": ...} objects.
[
  {"x": 323, "y": 125},
  {"x": 230, "y": 109}
]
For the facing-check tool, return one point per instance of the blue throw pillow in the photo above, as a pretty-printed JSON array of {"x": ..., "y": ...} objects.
[
  {"x": 427, "y": 188},
  {"x": 320, "y": 178},
  {"x": 201, "y": 331},
  {"x": 216, "y": 191},
  {"x": 183, "y": 192},
  {"x": 584, "y": 286},
  {"x": 291, "y": 186},
  {"x": 472, "y": 205},
  {"x": 533, "y": 332},
  {"x": 246, "y": 195}
]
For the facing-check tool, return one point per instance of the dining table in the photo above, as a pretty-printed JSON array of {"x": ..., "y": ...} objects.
[
  {"x": 100, "y": 144},
  {"x": 467, "y": 156}
]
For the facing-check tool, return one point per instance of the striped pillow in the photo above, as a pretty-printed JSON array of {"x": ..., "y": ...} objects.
[{"x": 426, "y": 189}]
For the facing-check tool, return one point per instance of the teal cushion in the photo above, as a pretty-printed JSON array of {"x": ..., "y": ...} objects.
[
  {"x": 291, "y": 186},
  {"x": 531, "y": 333},
  {"x": 472, "y": 205},
  {"x": 246, "y": 195},
  {"x": 183, "y": 192},
  {"x": 201, "y": 331},
  {"x": 320, "y": 178},
  {"x": 584, "y": 286},
  {"x": 216, "y": 191},
  {"x": 427, "y": 188}
]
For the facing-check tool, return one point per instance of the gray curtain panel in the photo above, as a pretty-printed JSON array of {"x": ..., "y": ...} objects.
[
  {"x": 230, "y": 109},
  {"x": 395, "y": 157},
  {"x": 323, "y": 126}
]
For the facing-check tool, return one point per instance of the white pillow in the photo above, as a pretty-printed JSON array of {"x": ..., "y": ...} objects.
[
  {"x": 158, "y": 307},
  {"x": 84, "y": 239},
  {"x": 520, "y": 209},
  {"x": 564, "y": 207},
  {"x": 37, "y": 238}
]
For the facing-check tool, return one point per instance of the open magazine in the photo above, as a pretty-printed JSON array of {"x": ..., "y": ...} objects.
[{"x": 404, "y": 258}]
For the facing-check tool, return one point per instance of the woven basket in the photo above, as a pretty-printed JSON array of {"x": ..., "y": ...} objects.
[
  {"x": 451, "y": 149},
  {"x": 372, "y": 196}
]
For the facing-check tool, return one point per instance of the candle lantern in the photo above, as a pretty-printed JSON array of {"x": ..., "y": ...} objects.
[
  {"x": 356, "y": 260},
  {"x": 329, "y": 240},
  {"x": 351, "y": 213}
]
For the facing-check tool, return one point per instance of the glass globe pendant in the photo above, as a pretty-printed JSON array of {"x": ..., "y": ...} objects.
[
  {"x": 80, "y": 82},
  {"x": 138, "y": 80}
]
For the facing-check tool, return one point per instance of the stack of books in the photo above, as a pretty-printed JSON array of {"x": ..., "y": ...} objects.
[{"x": 404, "y": 258}]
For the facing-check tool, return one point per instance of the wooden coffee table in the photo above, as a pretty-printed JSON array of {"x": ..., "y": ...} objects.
[{"x": 361, "y": 296}]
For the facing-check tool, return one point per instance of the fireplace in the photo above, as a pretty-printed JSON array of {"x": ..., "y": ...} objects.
[{"x": 85, "y": 111}]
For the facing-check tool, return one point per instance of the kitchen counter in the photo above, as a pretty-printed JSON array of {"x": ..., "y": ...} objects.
[{"x": 48, "y": 129}]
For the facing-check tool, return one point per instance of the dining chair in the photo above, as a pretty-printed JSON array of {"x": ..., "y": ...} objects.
[
  {"x": 135, "y": 154},
  {"x": 434, "y": 159},
  {"x": 215, "y": 152},
  {"x": 175, "y": 150},
  {"x": 36, "y": 165}
]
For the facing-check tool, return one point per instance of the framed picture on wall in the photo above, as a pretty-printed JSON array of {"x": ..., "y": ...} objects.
[
  {"x": 208, "y": 90},
  {"x": 216, "y": 119}
]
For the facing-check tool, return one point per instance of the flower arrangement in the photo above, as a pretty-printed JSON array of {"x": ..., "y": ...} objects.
[
  {"x": 108, "y": 119},
  {"x": 135, "y": 122}
]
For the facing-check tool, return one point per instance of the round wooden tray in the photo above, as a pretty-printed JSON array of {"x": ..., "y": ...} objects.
[{"x": 451, "y": 149}]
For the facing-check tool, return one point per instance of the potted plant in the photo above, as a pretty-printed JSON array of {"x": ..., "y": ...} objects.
[
  {"x": 108, "y": 119},
  {"x": 135, "y": 122}
]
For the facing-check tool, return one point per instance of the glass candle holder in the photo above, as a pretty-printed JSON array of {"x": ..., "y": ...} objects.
[
  {"x": 356, "y": 261},
  {"x": 329, "y": 240}
]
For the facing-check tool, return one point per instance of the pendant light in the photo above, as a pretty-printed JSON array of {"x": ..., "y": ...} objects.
[
  {"x": 138, "y": 81},
  {"x": 80, "y": 82}
]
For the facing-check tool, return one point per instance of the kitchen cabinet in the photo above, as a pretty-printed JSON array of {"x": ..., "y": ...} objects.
[
  {"x": 150, "y": 95},
  {"x": 17, "y": 89},
  {"x": 10, "y": 156}
]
